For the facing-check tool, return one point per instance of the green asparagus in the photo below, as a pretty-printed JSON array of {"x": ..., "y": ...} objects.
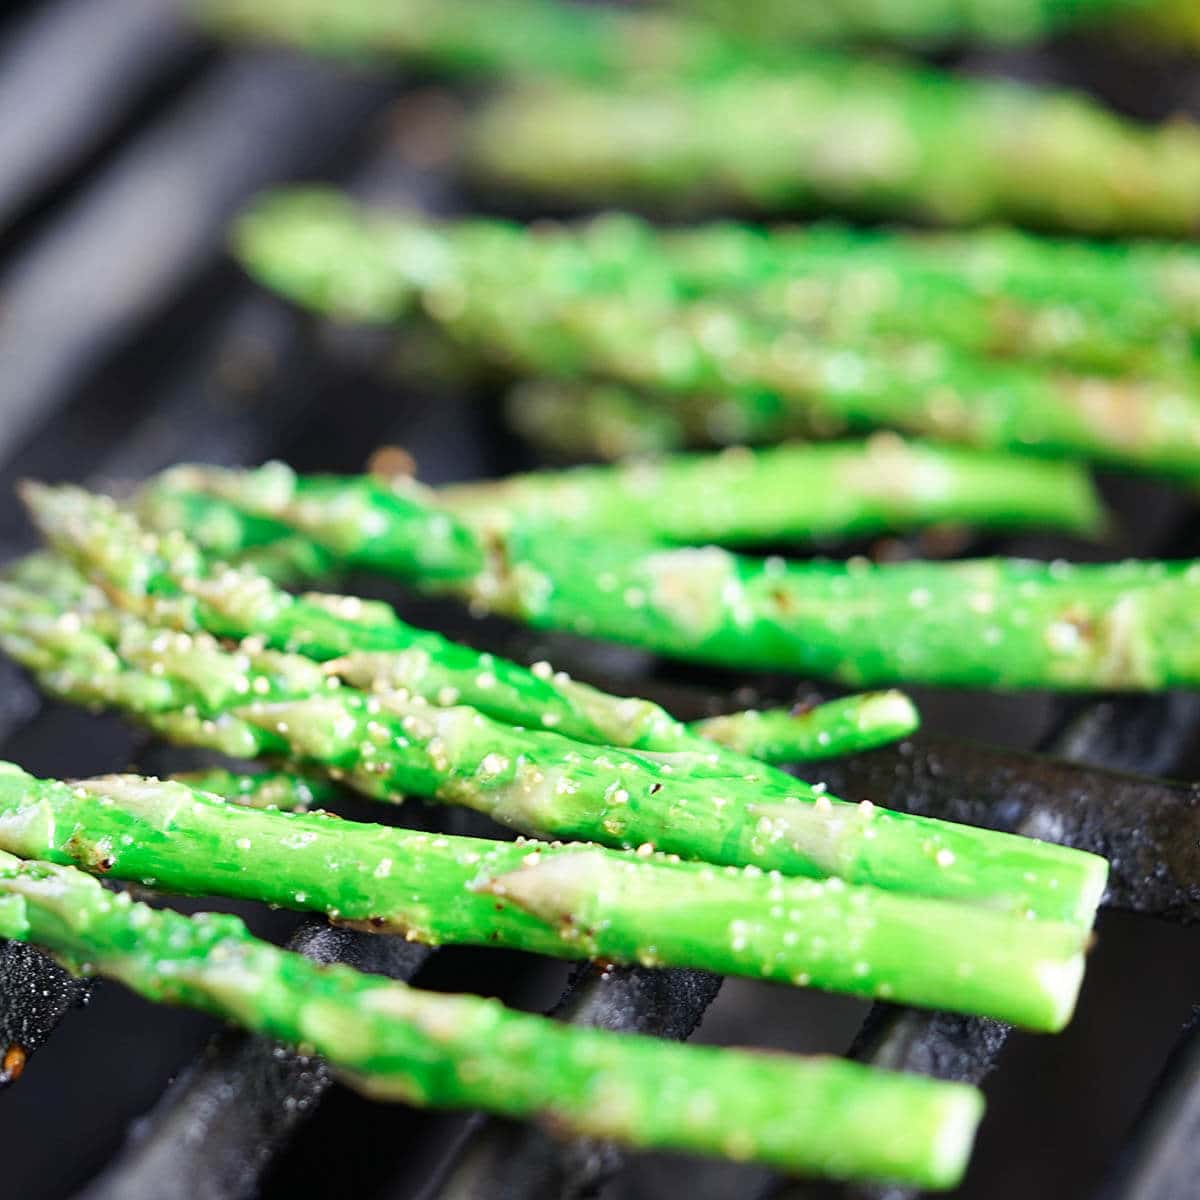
[
  {"x": 167, "y": 581},
  {"x": 846, "y": 726},
  {"x": 865, "y": 136},
  {"x": 1120, "y": 308},
  {"x": 251, "y": 702},
  {"x": 394, "y": 1042},
  {"x": 492, "y": 37},
  {"x": 790, "y": 492},
  {"x": 319, "y": 251},
  {"x": 565, "y": 420},
  {"x": 922, "y": 21},
  {"x": 568, "y": 901},
  {"x": 985, "y": 623},
  {"x": 523, "y": 36},
  {"x": 289, "y": 792}
]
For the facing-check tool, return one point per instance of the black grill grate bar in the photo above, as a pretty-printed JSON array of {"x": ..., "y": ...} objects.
[
  {"x": 220, "y": 1124},
  {"x": 104, "y": 56},
  {"x": 1023, "y": 793},
  {"x": 507, "y": 1160},
  {"x": 1161, "y": 1160},
  {"x": 1155, "y": 861}
]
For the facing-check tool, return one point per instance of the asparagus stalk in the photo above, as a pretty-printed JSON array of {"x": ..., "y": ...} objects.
[
  {"x": 430, "y": 1049},
  {"x": 861, "y": 135},
  {"x": 829, "y": 730},
  {"x": 257, "y": 703},
  {"x": 1091, "y": 307},
  {"x": 522, "y": 36},
  {"x": 166, "y": 580},
  {"x": 922, "y": 21},
  {"x": 490, "y": 37},
  {"x": 568, "y": 420},
  {"x": 568, "y": 901},
  {"x": 790, "y": 492},
  {"x": 320, "y": 252},
  {"x": 595, "y": 419},
  {"x": 283, "y": 790},
  {"x": 1000, "y": 623}
]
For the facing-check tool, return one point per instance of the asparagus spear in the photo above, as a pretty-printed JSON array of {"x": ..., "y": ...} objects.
[
  {"x": 568, "y": 901},
  {"x": 997, "y": 623},
  {"x": 790, "y": 735},
  {"x": 594, "y": 419},
  {"x": 860, "y": 135},
  {"x": 282, "y": 790},
  {"x": 790, "y": 492},
  {"x": 321, "y": 252},
  {"x": 1122, "y": 308},
  {"x": 252, "y": 702},
  {"x": 521, "y": 36},
  {"x": 923, "y": 21},
  {"x": 431, "y": 1049},
  {"x": 490, "y": 37},
  {"x": 564, "y": 419},
  {"x": 167, "y": 580}
]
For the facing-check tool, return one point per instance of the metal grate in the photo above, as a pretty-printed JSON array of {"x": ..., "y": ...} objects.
[{"x": 128, "y": 343}]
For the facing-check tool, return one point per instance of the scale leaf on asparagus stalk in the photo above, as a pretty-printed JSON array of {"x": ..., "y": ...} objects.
[
  {"x": 570, "y": 901},
  {"x": 821, "y": 1115}
]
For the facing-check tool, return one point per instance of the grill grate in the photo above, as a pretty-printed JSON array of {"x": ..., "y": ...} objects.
[{"x": 128, "y": 343}]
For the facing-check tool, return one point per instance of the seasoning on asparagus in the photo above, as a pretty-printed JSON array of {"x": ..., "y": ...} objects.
[
  {"x": 251, "y": 702},
  {"x": 569, "y": 901},
  {"x": 320, "y": 251},
  {"x": 998, "y": 623},
  {"x": 390, "y": 1041},
  {"x": 167, "y": 581}
]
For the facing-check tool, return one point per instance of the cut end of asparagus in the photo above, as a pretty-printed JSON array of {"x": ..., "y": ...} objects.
[
  {"x": 951, "y": 1145},
  {"x": 1061, "y": 982}
]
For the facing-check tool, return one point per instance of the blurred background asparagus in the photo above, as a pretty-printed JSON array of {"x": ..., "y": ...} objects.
[
  {"x": 587, "y": 305},
  {"x": 633, "y": 106}
]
